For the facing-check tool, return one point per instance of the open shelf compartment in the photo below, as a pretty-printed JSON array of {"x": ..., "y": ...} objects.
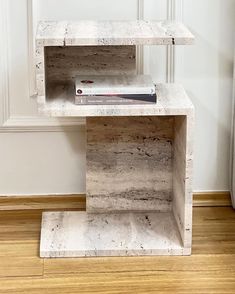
[
  {"x": 58, "y": 66},
  {"x": 138, "y": 191}
]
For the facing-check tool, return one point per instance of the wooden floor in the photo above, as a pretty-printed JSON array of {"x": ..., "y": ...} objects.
[{"x": 211, "y": 268}]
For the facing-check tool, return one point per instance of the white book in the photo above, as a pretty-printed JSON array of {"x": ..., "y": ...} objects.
[{"x": 102, "y": 85}]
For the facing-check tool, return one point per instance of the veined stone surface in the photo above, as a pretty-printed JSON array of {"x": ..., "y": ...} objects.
[
  {"x": 57, "y": 66},
  {"x": 74, "y": 234},
  {"x": 171, "y": 100},
  {"x": 142, "y": 163},
  {"x": 51, "y": 33},
  {"x": 64, "y": 63},
  {"x": 139, "y": 32},
  {"x": 183, "y": 175},
  {"x": 129, "y": 163}
]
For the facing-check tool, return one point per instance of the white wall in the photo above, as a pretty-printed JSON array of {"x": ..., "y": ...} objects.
[
  {"x": 42, "y": 156},
  {"x": 206, "y": 70},
  {"x": 42, "y": 162}
]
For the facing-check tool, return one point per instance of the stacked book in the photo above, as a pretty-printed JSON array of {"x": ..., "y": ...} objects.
[{"x": 114, "y": 90}]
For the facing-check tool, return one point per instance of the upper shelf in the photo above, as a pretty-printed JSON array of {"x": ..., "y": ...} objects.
[{"x": 139, "y": 32}]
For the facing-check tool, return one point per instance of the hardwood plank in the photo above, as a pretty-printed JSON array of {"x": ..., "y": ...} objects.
[
  {"x": 20, "y": 266},
  {"x": 18, "y": 226},
  {"x": 213, "y": 230},
  {"x": 19, "y": 249},
  {"x": 50, "y": 202},
  {"x": 192, "y": 263},
  {"x": 19, "y": 244},
  {"x": 212, "y": 199},
  {"x": 125, "y": 282}
]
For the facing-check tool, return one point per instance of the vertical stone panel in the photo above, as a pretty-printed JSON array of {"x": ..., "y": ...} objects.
[{"x": 129, "y": 164}]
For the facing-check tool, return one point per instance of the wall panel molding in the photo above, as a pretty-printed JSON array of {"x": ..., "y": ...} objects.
[
  {"x": 30, "y": 123},
  {"x": 170, "y": 59},
  {"x": 41, "y": 124},
  {"x": 174, "y": 12},
  {"x": 9, "y": 123},
  {"x": 4, "y": 78},
  {"x": 140, "y": 49},
  {"x": 31, "y": 56}
]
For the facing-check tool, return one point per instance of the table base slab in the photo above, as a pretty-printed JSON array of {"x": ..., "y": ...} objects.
[{"x": 79, "y": 234}]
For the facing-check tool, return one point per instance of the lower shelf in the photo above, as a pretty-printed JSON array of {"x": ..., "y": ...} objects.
[
  {"x": 171, "y": 100},
  {"x": 79, "y": 234}
]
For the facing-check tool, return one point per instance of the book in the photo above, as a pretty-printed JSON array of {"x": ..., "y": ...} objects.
[
  {"x": 115, "y": 100},
  {"x": 116, "y": 89}
]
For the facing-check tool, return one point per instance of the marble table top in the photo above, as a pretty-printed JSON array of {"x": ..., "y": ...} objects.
[{"x": 139, "y": 32}]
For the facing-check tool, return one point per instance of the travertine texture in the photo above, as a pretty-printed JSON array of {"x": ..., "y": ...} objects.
[
  {"x": 172, "y": 100},
  {"x": 63, "y": 59},
  {"x": 139, "y": 32},
  {"x": 57, "y": 66},
  {"x": 139, "y": 157},
  {"x": 70, "y": 234},
  {"x": 73, "y": 234},
  {"x": 183, "y": 175},
  {"x": 64, "y": 63},
  {"x": 129, "y": 163},
  {"x": 115, "y": 129},
  {"x": 51, "y": 33}
]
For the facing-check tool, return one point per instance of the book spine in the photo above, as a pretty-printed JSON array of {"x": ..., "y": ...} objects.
[
  {"x": 115, "y": 100},
  {"x": 116, "y": 91}
]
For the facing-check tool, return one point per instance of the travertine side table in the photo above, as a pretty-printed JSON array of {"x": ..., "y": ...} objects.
[{"x": 139, "y": 157}]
